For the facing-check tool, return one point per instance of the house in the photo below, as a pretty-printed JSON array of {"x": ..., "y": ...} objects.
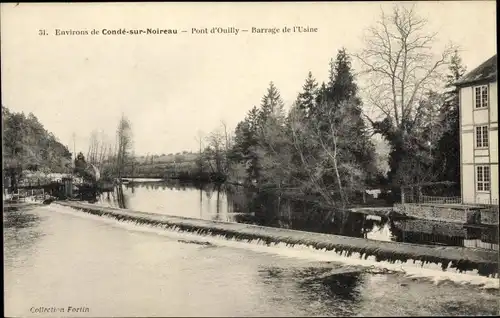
[{"x": 479, "y": 134}]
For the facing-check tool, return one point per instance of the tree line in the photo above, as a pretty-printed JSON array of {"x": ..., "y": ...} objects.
[
  {"x": 27, "y": 145},
  {"x": 110, "y": 158},
  {"x": 323, "y": 145}
]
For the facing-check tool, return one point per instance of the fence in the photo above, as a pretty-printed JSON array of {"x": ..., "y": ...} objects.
[
  {"x": 444, "y": 192},
  {"x": 420, "y": 198},
  {"x": 22, "y": 194},
  {"x": 488, "y": 202},
  {"x": 477, "y": 243}
]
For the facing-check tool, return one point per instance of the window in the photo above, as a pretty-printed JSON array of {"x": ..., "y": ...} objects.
[
  {"x": 482, "y": 137},
  {"x": 481, "y": 96},
  {"x": 483, "y": 178}
]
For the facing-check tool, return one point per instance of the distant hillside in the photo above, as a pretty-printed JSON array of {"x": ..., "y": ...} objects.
[
  {"x": 27, "y": 145},
  {"x": 170, "y": 158}
]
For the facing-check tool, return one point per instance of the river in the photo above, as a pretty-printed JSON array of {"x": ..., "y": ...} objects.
[
  {"x": 233, "y": 204},
  {"x": 56, "y": 257}
]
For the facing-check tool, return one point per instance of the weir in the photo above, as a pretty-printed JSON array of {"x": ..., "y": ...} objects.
[{"x": 461, "y": 258}]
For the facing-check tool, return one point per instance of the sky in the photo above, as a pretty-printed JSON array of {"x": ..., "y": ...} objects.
[{"x": 174, "y": 87}]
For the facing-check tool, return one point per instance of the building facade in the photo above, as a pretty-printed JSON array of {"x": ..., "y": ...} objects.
[{"x": 479, "y": 134}]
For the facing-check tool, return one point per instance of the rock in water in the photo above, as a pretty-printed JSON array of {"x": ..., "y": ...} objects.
[{"x": 48, "y": 201}]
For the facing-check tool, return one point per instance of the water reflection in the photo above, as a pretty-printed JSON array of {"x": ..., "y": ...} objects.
[
  {"x": 331, "y": 290},
  {"x": 340, "y": 286},
  {"x": 235, "y": 204},
  {"x": 441, "y": 233}
]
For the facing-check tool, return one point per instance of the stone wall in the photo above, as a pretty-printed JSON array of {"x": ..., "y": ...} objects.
[
  {"x": 489, "y": 216},
  {"x": 433, "y": 227},
  {"x": 436, "y": 213}
]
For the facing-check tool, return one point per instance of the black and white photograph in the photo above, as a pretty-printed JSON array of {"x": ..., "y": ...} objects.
[{"x": 250, "y": 159}]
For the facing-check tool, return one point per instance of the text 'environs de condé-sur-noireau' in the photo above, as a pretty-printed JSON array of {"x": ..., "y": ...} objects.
[{"x": 194, "y": 30}]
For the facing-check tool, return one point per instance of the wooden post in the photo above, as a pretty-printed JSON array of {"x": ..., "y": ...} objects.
[{"x": 402, "y": 195}]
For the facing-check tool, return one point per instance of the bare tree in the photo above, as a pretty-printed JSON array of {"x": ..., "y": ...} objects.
[
  {"x": 400, "y": 68},
  {"x": 215, "y": 151},
  {"x": 399, "y": 64},
  {"x": 228, "y": 144},
  {"x": 103, "y": 149},
  {"x": 124, "y": 144},
  {"x": 219, "y": 143},
  {"x": 199, "y": 139},
  {"x": 316, "y": 165},
  {"x": 99, "y": 150},
  {"x": 325, "y": 156},
  {"x": 93, "y": 145}
]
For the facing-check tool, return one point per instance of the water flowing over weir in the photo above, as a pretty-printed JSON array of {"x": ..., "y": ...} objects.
[{"x": 448, "y": 257}]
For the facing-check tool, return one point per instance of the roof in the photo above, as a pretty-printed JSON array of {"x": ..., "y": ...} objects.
[{"x": 484, "y": 72}]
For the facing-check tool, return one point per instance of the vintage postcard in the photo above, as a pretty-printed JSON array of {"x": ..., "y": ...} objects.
[{"x": 250, "y": 159}]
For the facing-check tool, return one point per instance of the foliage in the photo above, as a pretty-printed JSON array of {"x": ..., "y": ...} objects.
[
  {"x": 447, "y": 158},
  {"x": 323, "y": 146},
  {"x": 331, "y": 140},
  {"x": 401, "y": 71},
  {"x": 84, "y": 169},
  {"x": 307, "y": 98},
  {"x": 28, "y": 146},
  {"x": 125, "y": 145}
]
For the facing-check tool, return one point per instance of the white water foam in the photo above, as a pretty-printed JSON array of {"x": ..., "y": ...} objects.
[
  {"x": 142, "y": 180},
  {"x": 429, "y": 271}
]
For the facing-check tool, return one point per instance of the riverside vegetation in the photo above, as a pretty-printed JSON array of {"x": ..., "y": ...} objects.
[{"x": 322, "y": 148}]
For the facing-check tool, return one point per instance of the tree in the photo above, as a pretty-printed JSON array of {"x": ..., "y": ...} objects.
[
  {"x": 344, "y": 93},
  {"x": 217, "y": 151},
  {"x": 271, "y": 107},
  {"x": 332, "y": 170},
  {"x": 400, "y": 69},
  {"x": 199, "y": 159},
  {"x": 306, "y": 100},
  {"x": 125, "y": 145},
  {"x": 98, "y": 149},
  {"x": 304, "y": 109},
  {"x": 27, "y": 145},
  {"x": 270, "y": 138},
  {"x": 349, "y": 149},
  {"x": 84, "y": 169},
  {"x": 81, "y": 167},
  {"x": 418, "y": 166},
  {"x": 342, "y": 85},
  {"x": 245, "y": 143},
  {"x": 447, "y": 159}
]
